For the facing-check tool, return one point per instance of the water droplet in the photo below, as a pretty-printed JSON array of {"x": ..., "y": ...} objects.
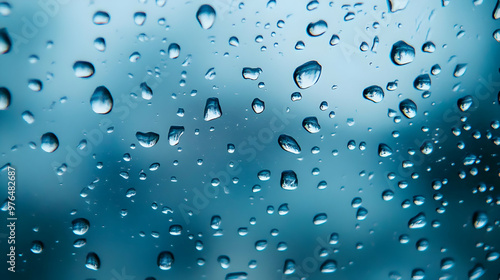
[
  {"x": 460, "y": 70},
  {"x": 101, "y": 18},
  {"x": 496, "y": 11},
  {"x": 36, "y": 247},
  {"x": 4, "y": 98},
  {"x": 174, "y": 51},
  {"x": 311, "y": 124},
  {"x": 397, "y": 5},
  {"x": 50, "y": 143},
  {"x": 139, "y": 18},
  {"x": 101, "y": 100},
  {"x": 422, "y": 82},
  {"x": 289, "y": 180},
  {"x": 329, "y": 266},
  {"x": 35, "y": 85},
  {"x": 289, "y": 144},
  {"x": 258, "y": 106},
  {"x": 428, "y": 47},
  {"x": 261, "y": 245},
  {"x": 447, "y": 264},
  {"x": 80, "y": 226},
  {"x": 478, "y": 270},
  {"x": 289, "y": 267},
  {"x": 5, "y": 9},
  {"x": 320, "y": 219},
  {"x": 464, "y": 103},
  {"x": 373, "y": 93},
  {"x": 100, "y": 44},
  {"x": 283, "y": 209},
  {"x": 224, "y": 261},
  {"x": 92, "y": 261},
  {"x": 361, "y": 213},
  {"x": 206, "y": 16},
  {"x": 312, "y": 5},
  {"x": 174, "y": 134},
  {"x": 334, "y": 40},
  {"x": 419, "y": 221},
  {"x": 251, "y": 73},
  {"x": 496, "y": 35},
  {"x": 5, "y": 42},
  {"x": 317, "y": 28},
  {"x": 480, "y": 219},
  {"x": 28, "y": 117},
  {"x": 210, "y": 75},
  {"x": 175, "y": 230},
  {"x": 384, "y": 150},
  {"x": 236, "y": 276},
  {"x": 492, "y": 256},
  {"x": 408, "y": 108},
  {"x": 427, "y": 147},
  {"x": 165, "y": 260},
  {"x": 307, "y": 74},
  {"x": 146, "y": 91},
  {"x": 148, "y": 139},
  {"x": 83, "y": 69},
  {"x": 402, "y": 53},
  {"x": 134, "y": 57},
  {"x": 233, "y": 41},
  {"x": 212, "y": 109}
]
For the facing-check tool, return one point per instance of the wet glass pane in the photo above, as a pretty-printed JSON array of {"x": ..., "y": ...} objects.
[{"x": 230, "y": 139}]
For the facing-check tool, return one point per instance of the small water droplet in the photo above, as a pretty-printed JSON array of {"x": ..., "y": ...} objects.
[
  {"x": 419, "y": 221},
  {"x": 329, "y": 266},
  {"x": 139, "y": 18},
  {"x": 101, "y": 100},
  {"x": 251, "y": 73},
  {"x": 317, "y": 28},
  {"x": 479, "y": 219},
  {"x": 311, "y": 125},
  {"x": 92, "y": 261},
  {"x": 5, "y": 98},
  {"x": 148, "y": 139},
  {"x": 320, "y": 219},
  {"x": 384, "y": 150},
  {"x": 146, "y": 91},
  {"x": 165, "y": 260},
  {"x": 80, "y": 226},
  {"x": 402, "y": 53},
  {"x": 100, "y": 44},
  {"x": 83, "y": 69},
  {"x": 408, "y": 108},
  {"x": 5, "y": 42},
  {"x": 212, "y": 109},
  {"x": 49, "y": 141},
  {"x": 174, "y": 134},
  {"x": 374, "y": 94},
  {"x": 258, "y": 106},
  {"x": 101, "y": 18}
]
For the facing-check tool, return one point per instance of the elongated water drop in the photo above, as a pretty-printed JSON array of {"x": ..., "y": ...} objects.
[
  {"x": 174, "y": 134},
  {"x": 206, "y": 16},
  {"x": 402, "y": 53},
  {"x": 5, "y": 42},
  {"x": 101, "y": 100},
  {"x": 408, "y": 108},
  {"x": 289, "y": 267},
  {"x": 146, "y": 91},
  {"x": 4, "y": 98},
  {"x": 80, "y": 226},
  {"x": 496, "y": 11},
  {"x": 374, "y": 94},
  {"x": 100, "y": 44},
  {"x": 236, "y": 276},
  {"x": 320, "y": 219},
  {"x": 258, "y": 106},
  {"x": 92, "y": 261},
  {"x": 251, "y": 73},
  {"x": 397, "y": 5},
  {"x": 289, "y": 180},
  {"x": 147, "y": 139},
  {"x": 134, "y": 57},
  {"x": 101, "y": 18},
  {"x": 478, "y": 270},
  {"x": 427, "y": 147},
  {"x": 464, "y": 103},
  {"x": 215, "y": 222},
  {"x": 50, "y": 143},
  {"x": 165, "y": 260},
  {"x": 83, "y": 69},
  {"x": 307, "y": 74},
  {"x": 174, "y": 51},
  {"x": 210, "y": 75},
  {"x": 419, "y": 221},
  {"x": 311, "y": 125},
  {"x": 28, "y": 117},
  {"x": 289, "y": 144},
  {"x": 334, "y": 40},
  {"x": 328, "y": 266},
  {"x": 460, "y": 70},
  {"x": 318, "y": 28},
  {"x": 212, "y": 109}
]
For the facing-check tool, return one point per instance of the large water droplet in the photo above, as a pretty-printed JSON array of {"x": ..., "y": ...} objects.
[
  {"x": 100, "y": 44},
  {"x": 289, "y": 267},
  {"x": 174, "y": 134},
  {"x": 139, "y": 18},
  {"x": 101, "y": 100},
  {"x": 49, "y": 142},
  {"x": 174, "y": 51},
  {"x": 251, "y": 73},
  {"x": 212, "y": 109},
  {"x": 146, "y": 91},
  {"x": 307, "y": 74},
  {"x": 397, "y": 5},
  {"x": 80, "y": 226},
  {"x": 460, "y": 70},
  {"x": 289, "y": 144},
  {"x": 5, "y": 42},
  {"x": 496, "y": 11},
  {"x": 329, "y": 266},
  {"x": 311, "y": 124},
  {"x": 236, "y": 276},
  {"x": 224, "y": 261},
  {"x": 35, "y": 85},
  {"x": 92, "y": 261},
  {"x": 148, "y": 139},
  {"x": 233, "y": 41},
  {"x": 165, "y": 260},
  {"x": 422, "y": 82},
  {"x": 402, "y": 53},
  {"x": 464, "y": 103},
  {"x": 101, "y": 18},
  {"x": 361, "y": 213},
  {"x": 317, "y": 28},
  {"x": 5, "y": 9},
  {"x": 320, "y": 219},
  {"x": 478, "y": 270},
  {"x": 419, "y": 221},
  {"x": 258, "y": 106},
  {"x": 384, "y": 150},
  {"x": 373, "y": 93},
  {"x": 289, "y": 180},
  {"x": 4, "y": 98},
  {"x": 206, "y": 16},
  {"x": 480, "y": 219},
  {"x": 408, "y": 108},
  {"x": 83, "y": 69}
]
